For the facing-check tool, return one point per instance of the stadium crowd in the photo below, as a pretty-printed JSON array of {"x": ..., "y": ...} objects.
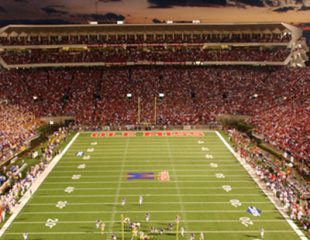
[
  {"x": 278, "y": 178},
  {"x": 17, "y": 179},
  {"x": 17, "y": 125},
  {"x": 159, "y": 54},
  {"x": 192, "y": 95},
  {"x": 148, "y": 39}
]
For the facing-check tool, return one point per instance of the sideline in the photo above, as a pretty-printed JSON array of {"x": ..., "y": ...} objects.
[
  {"x": 23, "y": 201},
  {"x": 266, "y": 191}
]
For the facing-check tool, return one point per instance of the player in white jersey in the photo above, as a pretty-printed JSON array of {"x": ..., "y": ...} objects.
[
  {"x": 192, "y": 237},
  {"x": 98, "y": 224},
  {"x": 182, "y": 231},
  {"x": 262, "y": 232},
  {"x": 140, "y": 200},
  {"x": 147, "y": 217},
  {"x": 25, "y": 235},
  {"x": 202, "y": 236},
  {"x": 123, "y": 201}
]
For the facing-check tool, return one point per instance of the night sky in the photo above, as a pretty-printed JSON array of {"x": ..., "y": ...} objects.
[{"x": 141, "y": 11}]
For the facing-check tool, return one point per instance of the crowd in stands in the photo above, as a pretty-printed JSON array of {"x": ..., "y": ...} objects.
[
  {"x": 17, "y": 125},
  {"x": 159, "y": 54},
  {"x": 278, "y": 177},
  {"x": 147, "y": 39},
  {"x": 16, "y": 180},
  {"x": 276, "y": 99}
]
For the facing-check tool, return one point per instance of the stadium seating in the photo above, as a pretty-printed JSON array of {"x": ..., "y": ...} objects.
[
  {"x": 97, "y": 96},
  {"x": 149, "y": 39},
  {"x": 256, "y": 54}
]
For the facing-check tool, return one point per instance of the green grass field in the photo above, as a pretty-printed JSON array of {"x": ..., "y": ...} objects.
[{"x": 193, "y": 192}]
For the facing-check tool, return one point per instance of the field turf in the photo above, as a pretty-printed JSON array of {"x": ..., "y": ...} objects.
[{"x": 196, "y": 166}]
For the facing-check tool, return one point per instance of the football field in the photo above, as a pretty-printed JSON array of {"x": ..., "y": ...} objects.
[{"x": 193, "y": 176}]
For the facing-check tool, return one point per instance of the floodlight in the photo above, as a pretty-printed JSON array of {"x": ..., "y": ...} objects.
[
  {"x": 161, "y": 95},
  {"x": 129, "y": 95},
  {"x": 196, "y": 21}
]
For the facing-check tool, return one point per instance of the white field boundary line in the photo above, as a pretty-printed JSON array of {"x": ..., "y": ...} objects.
[
  {"x": 156, "y": 221},
  {"x": 126, "y": 233},
  {"x": 23, "y": 201},
  {"x": 263, "y": 187}
]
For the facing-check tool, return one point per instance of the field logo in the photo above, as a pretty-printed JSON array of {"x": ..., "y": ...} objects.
[
  {"x": 254, "y": 211},
  {"x": 227, "y": 188},
  {"x": 94, "y": 143},
  {"x": 214, "y": 165},
  {"x": 200, "y": 142},
  {"x": 140, "y": 175},
  {"x": 69, "y": 189},
  {"x": 235, "y": 202},
  {"x": 76, "y": 177},
  {"x": 90, "y": 149},
  {"x": 51, "y": 222},
  {"x": 209, "y": 156},
  {"x": 204, "y": 149},
  {"x": 61, "y": 204},
  {"x": 86, "y": 157},
  {"x": 164, "y": 176},
  {"x": 82, "y": 166},
  {"x": 246, "y": 221},
  {"x": 219, "y": 175}
]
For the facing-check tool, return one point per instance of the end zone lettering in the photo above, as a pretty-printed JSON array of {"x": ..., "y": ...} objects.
[
  {"x": 113, "y": 134},
  {"x": 173, "y": 134}
]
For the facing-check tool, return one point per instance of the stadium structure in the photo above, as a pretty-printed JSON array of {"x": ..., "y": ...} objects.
[
  {"x": 282, "y": 44},
  {"x": 154, "y": 131}
]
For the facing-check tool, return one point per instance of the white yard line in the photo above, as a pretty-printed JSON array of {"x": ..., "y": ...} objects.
[
  {"x": 223, "y": 180},
  {"x": 142, "y": 170},
  {"x": 156, "y": 221},
  {"x": 191, "y": 176},
  {"x": 144, "y": 203},
  {"x": 206, "y": 162},
  {"x": 141, "y": 188},
  {"x": 267, "y": 192},
  {"x": 148, "y": 195},
  {"x": 98, "y": 232},
  {"x": 118, "y": 188},
  {"x": 147, "y": 165},
  {"x": 143, "y": 211},
  {"x": 23, "y": 201}
]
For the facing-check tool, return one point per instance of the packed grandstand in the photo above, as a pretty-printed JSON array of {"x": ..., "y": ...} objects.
[{"x": 162, "y": 75}]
